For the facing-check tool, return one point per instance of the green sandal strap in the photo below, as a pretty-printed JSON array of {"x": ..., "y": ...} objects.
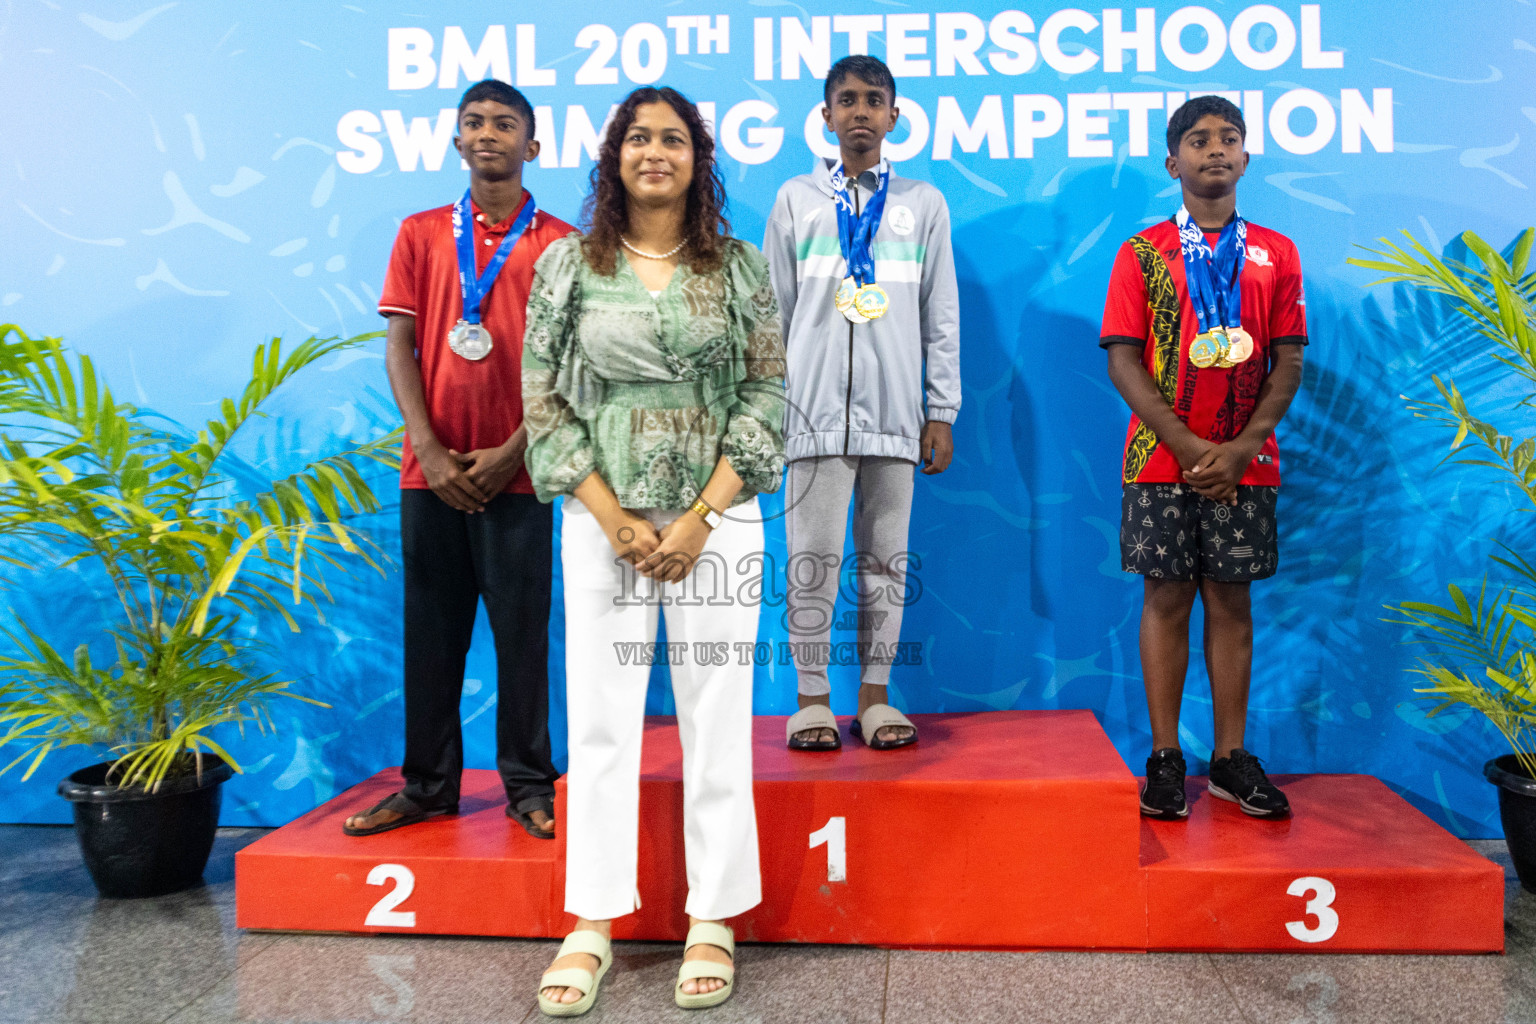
[
  {"x": 707, "y": 933},
  {"x": 578, "y": 978},
  {"x": 586, "y": 941},
  {"x": 694, "y": 970}
]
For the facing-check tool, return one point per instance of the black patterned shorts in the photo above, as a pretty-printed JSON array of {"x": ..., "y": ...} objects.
[{"x": 1169, "y": 532}]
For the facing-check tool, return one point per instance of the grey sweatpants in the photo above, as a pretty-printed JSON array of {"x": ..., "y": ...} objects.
[{"x": 817, "y": 519}]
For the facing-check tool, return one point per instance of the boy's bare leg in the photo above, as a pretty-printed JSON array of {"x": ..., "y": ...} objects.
[
  {"x": 1228, "y": 659},
  {"x": 1165, "y": 612}
]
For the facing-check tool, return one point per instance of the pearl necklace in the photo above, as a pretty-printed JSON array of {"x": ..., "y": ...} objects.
[{"x": 651, "y": 255}]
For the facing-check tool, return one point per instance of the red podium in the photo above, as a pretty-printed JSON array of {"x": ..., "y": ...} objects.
[{"x": 1013, "y": 829}]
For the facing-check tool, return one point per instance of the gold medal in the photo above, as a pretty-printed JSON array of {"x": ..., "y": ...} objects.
[
  {"x": 1240, "y": 348},
  {"x": 871, "y": 301},
  {"x": 843, "y": 300},
  {"x": 1205, "y": 351}
]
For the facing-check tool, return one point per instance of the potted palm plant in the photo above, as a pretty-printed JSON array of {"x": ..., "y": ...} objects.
[
  {"x": 191, "y": 550},
  {"x": 1483, "y": 651}
]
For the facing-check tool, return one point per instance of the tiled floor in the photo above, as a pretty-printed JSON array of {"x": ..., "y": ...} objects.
[{"x": 67, "y": 956}]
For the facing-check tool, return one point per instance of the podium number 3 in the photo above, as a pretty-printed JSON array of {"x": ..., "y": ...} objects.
[
  {"x": 384, "y": 914},
  {"x": 1319, "y": 906},
  {"x": 835, "y": 835}
]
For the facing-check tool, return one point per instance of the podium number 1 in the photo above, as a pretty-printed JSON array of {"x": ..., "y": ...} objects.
[
  {"x": 1319, "y": 906},
  {"x": 384, "y": 914},
  {"x": 835, "y": 835}
]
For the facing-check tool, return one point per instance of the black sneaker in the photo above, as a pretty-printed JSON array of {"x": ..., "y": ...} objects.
[
  {"x": 1163, "y": 795},
  {"x": 1241, "y": 779}
]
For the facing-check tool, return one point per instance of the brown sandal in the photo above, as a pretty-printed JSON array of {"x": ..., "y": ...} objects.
[
  {"x": 411, "y": 813},
  {"x": 523, "y": 815}
]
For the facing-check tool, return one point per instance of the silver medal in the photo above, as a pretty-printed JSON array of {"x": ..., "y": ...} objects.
[{"x": 470, "y": 341}]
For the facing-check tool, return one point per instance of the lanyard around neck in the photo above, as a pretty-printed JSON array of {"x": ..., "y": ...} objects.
[
  {"x": 474, "y": 287},
  {"x": 855, "y": 230}
]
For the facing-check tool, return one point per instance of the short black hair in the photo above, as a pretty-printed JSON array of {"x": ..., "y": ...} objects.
[
  {"x": 863, "y": 67},
  {"x": 502, "y": 93},
  {"x": 1188, "y": 115}
]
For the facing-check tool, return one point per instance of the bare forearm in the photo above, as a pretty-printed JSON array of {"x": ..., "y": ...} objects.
[
  {"x": 1275, "y": 396},
  {"x": 598, "y": 497},
  {"x": 723, "y": 485},
  {"x": 405, "y": 381},
  {"x": 1147, "y": 402},
  {"x": 517, "y": 444}
]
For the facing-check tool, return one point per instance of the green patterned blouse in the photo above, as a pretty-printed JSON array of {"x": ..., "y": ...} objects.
[{"x": 651, "y": 392}]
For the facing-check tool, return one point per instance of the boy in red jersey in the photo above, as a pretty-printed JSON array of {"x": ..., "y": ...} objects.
[
  {"x": 1204, "y": 324},
  {"x": 470, "y": 526}
]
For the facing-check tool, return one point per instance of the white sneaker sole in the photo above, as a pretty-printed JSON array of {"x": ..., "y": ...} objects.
[
  {"x": 1155, "y": 812},
  {"x": 1248, "y": 809}
]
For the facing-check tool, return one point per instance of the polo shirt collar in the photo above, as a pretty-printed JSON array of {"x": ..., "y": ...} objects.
[
  {"x": 821, "y": 174},
  {"x": 503, "y": 227}
]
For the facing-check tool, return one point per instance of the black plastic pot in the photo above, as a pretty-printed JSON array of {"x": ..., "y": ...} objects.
[
  {"x": 137, "y": 843},
  {"x": 1517, "y": 811}
]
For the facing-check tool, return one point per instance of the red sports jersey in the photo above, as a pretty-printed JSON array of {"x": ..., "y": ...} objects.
[
  {"x": 1148, "y": 306},
  {"x": 471, "y": 404}
]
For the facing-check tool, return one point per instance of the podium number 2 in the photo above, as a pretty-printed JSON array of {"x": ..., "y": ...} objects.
[
  {"x": 1319, "y": 906},
  {"x": 384, "y": 914},
  {"x": 835, "y": 835}
]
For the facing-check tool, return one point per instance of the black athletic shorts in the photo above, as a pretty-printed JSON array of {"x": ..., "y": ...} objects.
[{"x": 1169, "y": 532}]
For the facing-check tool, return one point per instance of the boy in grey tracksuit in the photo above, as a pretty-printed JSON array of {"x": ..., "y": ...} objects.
[{"x": 861, "y": 413}]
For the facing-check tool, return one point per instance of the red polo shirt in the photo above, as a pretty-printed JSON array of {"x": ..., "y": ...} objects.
[
  {"x": 471, "y": 404},
  {"x": 1148, "y": 306}
]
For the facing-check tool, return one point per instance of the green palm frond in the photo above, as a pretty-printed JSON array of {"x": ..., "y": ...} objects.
[
  {"x": 86, "y": 478},
  {"x": 1499, "y": 299},
  {"x": 1484, "y": 654}
]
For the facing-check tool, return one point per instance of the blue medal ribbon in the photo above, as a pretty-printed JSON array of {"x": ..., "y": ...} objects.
[
  {"x": 1214, "y": 279},
  {"x": 475, "y": 288},
  {"x": 855, "y": 230}
]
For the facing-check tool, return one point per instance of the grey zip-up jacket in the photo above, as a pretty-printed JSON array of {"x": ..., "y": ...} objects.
[{"x": 859, "y": 389}]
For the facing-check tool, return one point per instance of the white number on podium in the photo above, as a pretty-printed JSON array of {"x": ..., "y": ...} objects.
[
  {"x": 384, "y": 914},
  {"x": 1319, "y": 906},
  {"x": 835, "y": 834}
]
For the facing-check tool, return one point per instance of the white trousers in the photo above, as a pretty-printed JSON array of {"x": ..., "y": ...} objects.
[{"x": 610, "y": 615}]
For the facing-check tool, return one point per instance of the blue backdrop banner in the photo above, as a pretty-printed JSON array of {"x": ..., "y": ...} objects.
[{"x": 183, "y": 180}]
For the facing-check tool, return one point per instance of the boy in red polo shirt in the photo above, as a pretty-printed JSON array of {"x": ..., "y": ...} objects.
[
  {"x": 1204, "y": 323},
  {"x": 470, "y": 526}
]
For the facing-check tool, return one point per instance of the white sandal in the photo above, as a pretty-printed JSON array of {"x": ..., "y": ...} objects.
[
  {"x": 707, "y": 933},
  {"x": 808, "y": 718},
  {"x": 578, "y": 978},
  {"x": 880, "y": 716}
]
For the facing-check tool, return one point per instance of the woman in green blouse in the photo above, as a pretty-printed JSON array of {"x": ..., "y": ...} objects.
[{"x": 653, "y": 391}]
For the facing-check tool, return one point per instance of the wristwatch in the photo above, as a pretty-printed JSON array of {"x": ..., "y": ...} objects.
[{"x": 707, "y": 512}]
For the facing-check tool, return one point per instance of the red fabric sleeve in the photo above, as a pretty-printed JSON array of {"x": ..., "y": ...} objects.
[
  {"x": 1288, "y": 312},
  {"x": 399, "y": 295},
  {"x": 1125, "y": 303}
]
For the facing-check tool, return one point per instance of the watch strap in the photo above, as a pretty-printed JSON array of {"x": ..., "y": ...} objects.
[{"x": 707, "y": 512}]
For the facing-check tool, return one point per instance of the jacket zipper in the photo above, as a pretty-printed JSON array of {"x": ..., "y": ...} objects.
[{"x": 848, "y": 397}]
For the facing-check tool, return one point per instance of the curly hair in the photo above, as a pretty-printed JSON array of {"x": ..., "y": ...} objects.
[{"x": 605, "y": 213}]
